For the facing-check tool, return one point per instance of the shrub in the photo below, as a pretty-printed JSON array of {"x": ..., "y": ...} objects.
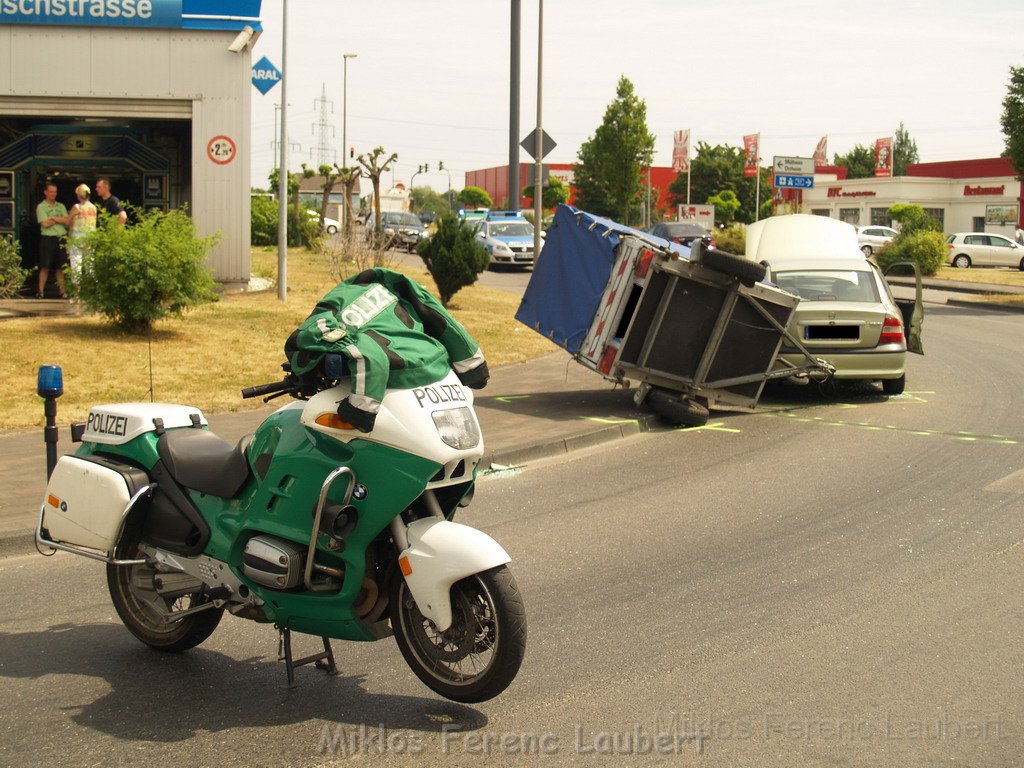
[
  {"x": 452, "y": 257},
  {"x": 732, "y": 239},
  {"x": 12, "y": 274},
  {"x": 925, "y": 247},
  {"x": 263, "y": 228},
  {"x": 138, "y": 274},
  {"x": 912, "y": 218}
]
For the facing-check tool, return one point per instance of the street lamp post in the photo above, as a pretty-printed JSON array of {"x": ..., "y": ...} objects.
[{"x": 344, "y": 131}]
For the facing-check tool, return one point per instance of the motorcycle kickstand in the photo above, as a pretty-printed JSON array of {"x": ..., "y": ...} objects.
[{"x": 323, "y": 660}]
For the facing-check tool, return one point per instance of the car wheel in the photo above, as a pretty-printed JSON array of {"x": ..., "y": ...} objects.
[
  {"x": 866, "y": 250},
  {"x": 962, "y": 261},
  {"x": 894, "y": 386},
  {"x": 332, "y": 230},
  {"x": 1021, "y": 265}
]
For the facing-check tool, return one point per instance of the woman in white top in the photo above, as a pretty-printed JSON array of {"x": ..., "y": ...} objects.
[{"x": 83, "y": 221}]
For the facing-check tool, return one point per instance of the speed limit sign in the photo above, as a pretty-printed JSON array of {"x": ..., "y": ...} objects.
[{"x": 221, "y": 150}]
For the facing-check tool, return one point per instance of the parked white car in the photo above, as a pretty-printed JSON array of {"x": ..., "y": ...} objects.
[
  {"x": 847, "y": 315},
  {"x": 980, "y": 249},
  {"x": 873, "y": 238}
]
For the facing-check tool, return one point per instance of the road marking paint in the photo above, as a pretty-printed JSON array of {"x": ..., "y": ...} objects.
[
  {"x": 599, "y": 420},
  {"x": 510, "y": 398},
  {"x": 967, "y": 437},
  {"x": 718, "y": 426}
]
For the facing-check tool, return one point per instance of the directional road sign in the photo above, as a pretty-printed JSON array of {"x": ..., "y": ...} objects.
[
  {"x": 794, "y": 166},
  {"x": 265, "y": 75},
  {"x": 794, "y": 182},
  {"x": 530, "y": 144}
]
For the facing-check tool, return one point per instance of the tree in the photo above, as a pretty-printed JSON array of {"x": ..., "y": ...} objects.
[
  {"x": 609, "y": 165},
  {"x": 331, "y": 175},
  {"x": 348, "y": 178},
  {"x": 374, "y": 168},
  {"x": 300, "y": 231},
  {"x": 904, "y": 151},
  {"x": 912, "y": 218},
  {"x": 452, "y": 256},
  {"x": 426, "y": 199},
  {"x": 553, "y": 193},
  {"x": 726, "y": 204},
  {"x": 716, "y": 169},
  {"x": 474, "y": 197},
  {"x": 1013, "y": 120},
  {"x": 859, "y": 162}
]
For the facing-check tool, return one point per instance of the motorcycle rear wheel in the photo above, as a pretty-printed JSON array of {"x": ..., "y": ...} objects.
[
  {"x": 143, "y": 610},
  {"x": 479, "y": 655}
]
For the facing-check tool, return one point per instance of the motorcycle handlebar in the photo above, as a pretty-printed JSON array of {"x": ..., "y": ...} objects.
[{"x": 265, "y": 389}]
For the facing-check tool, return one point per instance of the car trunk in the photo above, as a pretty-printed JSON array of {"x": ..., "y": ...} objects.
[{"x": 838, "y": 324}]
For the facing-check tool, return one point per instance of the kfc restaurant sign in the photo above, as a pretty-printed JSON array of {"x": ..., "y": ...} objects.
[{"x": 838, "y": 192}]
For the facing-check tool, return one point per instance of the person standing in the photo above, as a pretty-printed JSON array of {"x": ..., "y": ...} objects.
[
  {"x": 108, "y": 202},
  {"x": 83, "y": 221},
  {"x": 53, "y": 226}
]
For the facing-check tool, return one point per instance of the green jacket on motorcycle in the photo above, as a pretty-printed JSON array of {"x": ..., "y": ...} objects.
[{"x": 391, "y": 333}]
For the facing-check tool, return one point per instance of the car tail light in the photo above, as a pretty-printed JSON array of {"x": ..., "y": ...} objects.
[{"x": 892, "y": 331}]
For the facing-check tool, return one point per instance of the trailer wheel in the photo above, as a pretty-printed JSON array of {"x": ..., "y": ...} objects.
[
  {"x": 748, "y": 272},
  {"x": 681, "y": 411}
]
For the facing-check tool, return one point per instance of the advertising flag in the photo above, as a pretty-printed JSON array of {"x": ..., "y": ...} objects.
[
  {"x": 821, "y": 153},
  {"x": 883, "y": 156},
  {"x": 752, "y": 150},
  {"x": 681, "y": 151}
]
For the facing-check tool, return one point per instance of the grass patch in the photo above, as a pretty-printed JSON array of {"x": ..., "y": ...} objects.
[
  {"x": 204, "y": 358},
  {"x": 990, "y": 275}
]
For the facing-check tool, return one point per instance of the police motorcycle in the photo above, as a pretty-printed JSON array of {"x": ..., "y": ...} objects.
[{"x": 313, "y": 523}]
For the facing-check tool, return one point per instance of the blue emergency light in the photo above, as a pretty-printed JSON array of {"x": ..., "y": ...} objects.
[{"x": 50, "y": 382}]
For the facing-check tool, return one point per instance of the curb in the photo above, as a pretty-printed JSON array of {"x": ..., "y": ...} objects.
[
  {"x": 1006, "y": 308},
  {"x": 17, "y": 543},
  {"x": 519, "y": 456}
]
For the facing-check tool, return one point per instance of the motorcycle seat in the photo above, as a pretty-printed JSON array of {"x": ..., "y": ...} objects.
[{"x": 201, "y": 461}]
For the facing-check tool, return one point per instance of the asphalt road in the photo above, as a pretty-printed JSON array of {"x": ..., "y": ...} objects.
[{"x": 825, "y": 582}]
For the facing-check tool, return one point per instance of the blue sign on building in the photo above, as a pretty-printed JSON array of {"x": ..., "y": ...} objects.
[
  {"x": 154, "y": 14},
  {"x": 264, "y": 75}
]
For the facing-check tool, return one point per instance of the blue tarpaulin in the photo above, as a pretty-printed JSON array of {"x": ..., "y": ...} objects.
[{"x": 571, "y": 273}]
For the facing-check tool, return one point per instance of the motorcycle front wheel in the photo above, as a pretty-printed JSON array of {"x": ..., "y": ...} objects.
[
  {"x": 478, "y": 656},
  {"x": 144, "y": 610}
]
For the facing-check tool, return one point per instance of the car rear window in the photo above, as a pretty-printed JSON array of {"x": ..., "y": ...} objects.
[{"x": 829, "y": 284}]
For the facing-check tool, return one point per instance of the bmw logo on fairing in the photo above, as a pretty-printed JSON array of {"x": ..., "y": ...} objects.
[{"x": 359, "y": 492}]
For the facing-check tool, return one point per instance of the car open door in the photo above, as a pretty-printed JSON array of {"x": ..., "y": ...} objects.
[{"x": 911, "y": 309}]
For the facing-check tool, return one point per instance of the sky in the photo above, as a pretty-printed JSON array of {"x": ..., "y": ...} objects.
[{"x": 431, "y": 79}]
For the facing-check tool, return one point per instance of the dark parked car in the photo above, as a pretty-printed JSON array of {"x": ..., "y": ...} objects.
[{"x": 678, "y": 232}]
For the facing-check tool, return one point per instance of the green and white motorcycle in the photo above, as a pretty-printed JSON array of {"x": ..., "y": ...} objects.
[{"x": 308, "y": 524}]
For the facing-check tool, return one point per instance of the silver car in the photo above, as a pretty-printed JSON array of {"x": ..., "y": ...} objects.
[
  {"x": 847, "y": 315},
  {"x": 980, "y": 249},
  {"x": 871, "y": 239}
]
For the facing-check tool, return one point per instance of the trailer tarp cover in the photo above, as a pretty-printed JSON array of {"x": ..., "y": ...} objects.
[{"x": 571, "y": 273}]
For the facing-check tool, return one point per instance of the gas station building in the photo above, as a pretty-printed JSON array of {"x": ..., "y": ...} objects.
[{"x": 153, "y": 94}]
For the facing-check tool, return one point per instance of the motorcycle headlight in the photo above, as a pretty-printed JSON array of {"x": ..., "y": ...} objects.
[{"x": 457, "y": 428}]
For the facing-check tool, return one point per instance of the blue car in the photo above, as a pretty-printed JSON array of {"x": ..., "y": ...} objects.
[{"x": 508, "y": 238}]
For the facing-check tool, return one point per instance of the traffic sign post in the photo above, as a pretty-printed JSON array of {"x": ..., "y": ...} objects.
[
  {"x": 794, "y": 182},
  {"x": 793, "y": 172}
]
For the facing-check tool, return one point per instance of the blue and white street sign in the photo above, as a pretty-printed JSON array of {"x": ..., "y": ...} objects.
[
  {"x": 265, "y": 75},
  {"x": 794, "y": 182}
]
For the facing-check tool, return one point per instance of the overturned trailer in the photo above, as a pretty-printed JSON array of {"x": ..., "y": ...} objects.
[{"x": 695, "y": 330}]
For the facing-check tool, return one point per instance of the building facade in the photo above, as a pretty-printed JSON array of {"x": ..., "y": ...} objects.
[
  {"x": 153, "y": 94},
  {"x": 962, "y": 196}
]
